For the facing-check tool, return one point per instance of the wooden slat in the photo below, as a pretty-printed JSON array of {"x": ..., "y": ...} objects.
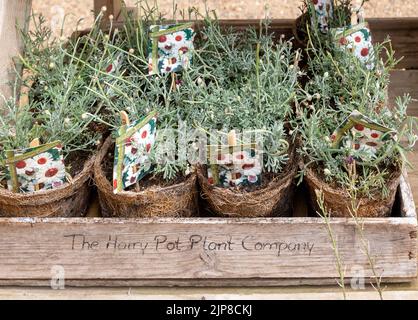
[
  {"x": 29, "y": 248},
  {"x": 11, "y": 13},
  {"x": 405, "y": 81}
]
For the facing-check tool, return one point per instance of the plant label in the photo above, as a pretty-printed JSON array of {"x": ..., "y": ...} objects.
[
  {"x": 323, "y": 12},
  {"x": 36, "y": 168},
  {"x": 132, "y": 149},
  {"x": 361, "y": 134},
  {"x": 231, "y": 166},
  {"x": 358, "y": 40},
  {"x": 171, "y": 48}
]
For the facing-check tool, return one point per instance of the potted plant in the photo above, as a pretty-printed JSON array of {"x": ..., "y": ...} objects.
[
  {"x": 240, "y": 95},
  {"x": 354, "y": 142}
]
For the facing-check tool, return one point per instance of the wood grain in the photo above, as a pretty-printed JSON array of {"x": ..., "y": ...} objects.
[
  {"x": 29, "y": 248},
  {"x": 405, "y": 82},
  {"x": 12, "y": 13}
]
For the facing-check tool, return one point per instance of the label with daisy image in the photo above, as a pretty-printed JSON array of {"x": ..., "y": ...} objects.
[
  {"x": 323, "y": 12},
  {"x": 233, "y": 166},
  {"x": 132, "y": 149},
  {"x": 35, "y": 169},
  {"x": 170, "y": 48},
  {"x": 361, "y": 134},
  {"x": 358, "y": 40}
]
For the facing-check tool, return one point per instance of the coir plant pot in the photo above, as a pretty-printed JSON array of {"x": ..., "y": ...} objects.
[
  {"x": 338, "y": 202},
  {"x": 273, "y": 198},
  {"x": 176, "y": 200},
  {"x": 70, "y": 200}
]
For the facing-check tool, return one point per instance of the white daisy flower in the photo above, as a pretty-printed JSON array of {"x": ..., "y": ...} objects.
[
  {"x": 51, "y": 172},
  {"x": 43, "y": 159}
]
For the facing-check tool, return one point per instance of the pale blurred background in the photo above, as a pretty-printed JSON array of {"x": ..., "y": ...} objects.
[{"x": 55, "y": 10}]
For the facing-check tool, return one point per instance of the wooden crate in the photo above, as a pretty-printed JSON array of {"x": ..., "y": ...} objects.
[
  {"x": 216, "y": 251},
  {"x": 206, "y": 251}
]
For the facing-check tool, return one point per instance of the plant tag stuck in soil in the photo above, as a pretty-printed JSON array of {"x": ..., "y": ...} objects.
[
  {"x": 357, "y": 40},
  {"x": 36, "y": 168},
  {"x": 234, "y": 166},
  {"x": 170, "y": 48},
  {"x": 133, "y": 146},
  {"x": 362, "y": 135},
  {"x": 323, "y": 12}
]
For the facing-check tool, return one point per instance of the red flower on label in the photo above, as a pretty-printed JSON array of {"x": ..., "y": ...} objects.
[
  {"x": 210, "y": 180},
  {"x": 134, "y": 150},
  {"x": 184, "y": 49},
  {"x": 356, "y": 146},
  {"x": 333, "y": 137},
  {"x": 144, "y": 134},
  {"x": 238, "y": 175},
  {"x": 371, "y": 144},
  {"x": 375, "y": 135},
  {"x": 248, "y": 166},
  {"x": 20, "y": 164},
  {"x": 315, "y": 2},
  {"x": 364, "y": 52},
  {"x": 168, "y": 47},
  {"x": 148, "y": 147},
  {"x": 168, "y": 69},
  {"x": 173, "y": 60},
  {"x": 162, "y": 39},
  {"x": 42, "y": 161},
  {"x": 240, "y": 156},
  {"x": 115, "y": 184},
  {"x": 359, "y": 127},
  {"x": 51, "y": 172},
  {"x": 179, "y": 38},
  {"x": 29, "y": 173},
  {"x": 221, "y": 157},
  {"x": 132, "y": 180},
  {"x": 109, "y": 68},
  {"x": 357, "y": 39}
]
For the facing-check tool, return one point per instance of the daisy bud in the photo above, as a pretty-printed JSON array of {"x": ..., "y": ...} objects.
[
  {"x": 47, "y": 112},
  {"x": 51, "y": 65},
  {"x": 327, "y": 172},
  {"x": 317, "y": 96},
  {"x": 187, "y": 172},
  {"x": 97, "y": 142},
  {"x": 326, "y": 75},
  {"x": 106, "y": 37},
  {"x": 291, "y": 132},
  {"x": 309, "y": 97},
  {"x": 327, "y": 139},
  {"x": 104, "y": 9},
  {"x": 63, "y": 38},
  {"x": 282, "y": 36},
  {"x": 46, "y": 88},
  {"x": 116, "y": 31},
  {"x": 111, "y": 17},
  {"x": 291, "y": 66},
  {"x": 12, "y": 132},
  {"x": 131, "y": 51},
  {"x": 85, "y": 116}
]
